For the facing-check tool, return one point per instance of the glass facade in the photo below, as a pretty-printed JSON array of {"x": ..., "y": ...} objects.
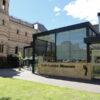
[
  {"x": 68, "y": 46},
  {"x": 71, "y": 46},
  {"x": 75, "y": 43}
]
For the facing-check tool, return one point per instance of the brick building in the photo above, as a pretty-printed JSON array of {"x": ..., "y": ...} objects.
[{"x": 14, "y": 33}]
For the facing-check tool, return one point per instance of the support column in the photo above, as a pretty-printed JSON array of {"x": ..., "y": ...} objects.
[
  {"x": 33, "y": 62},
  {"x": 88, "y": 53}
]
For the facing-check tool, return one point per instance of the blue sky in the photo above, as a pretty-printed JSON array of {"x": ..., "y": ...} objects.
[{"x": 55, "y": 13}]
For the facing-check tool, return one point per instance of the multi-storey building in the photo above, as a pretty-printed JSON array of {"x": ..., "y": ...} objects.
[{"x": 14, "y": 33}]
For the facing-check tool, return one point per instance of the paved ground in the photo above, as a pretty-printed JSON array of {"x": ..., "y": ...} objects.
[{"x": 93, "y": 86}]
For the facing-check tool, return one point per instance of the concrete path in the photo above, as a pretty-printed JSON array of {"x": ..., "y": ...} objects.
[{"x": 92, "y": 86}]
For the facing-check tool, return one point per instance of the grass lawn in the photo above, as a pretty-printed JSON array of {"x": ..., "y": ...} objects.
[{"x": 14, "y": 89}]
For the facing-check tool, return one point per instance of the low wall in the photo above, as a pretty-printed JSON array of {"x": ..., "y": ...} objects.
[{"x": 72, "y": 70}]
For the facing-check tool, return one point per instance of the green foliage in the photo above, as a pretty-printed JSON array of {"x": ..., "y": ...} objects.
[
  {"x": 3, "y": 62},
  {"x": 14, "y": 89},
  {"x": 12, "y": 61}
]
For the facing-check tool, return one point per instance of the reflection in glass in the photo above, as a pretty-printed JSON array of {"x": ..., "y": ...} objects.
[
  {"x": 71, "y": 46},
  {"x": 45, "y": 48}
]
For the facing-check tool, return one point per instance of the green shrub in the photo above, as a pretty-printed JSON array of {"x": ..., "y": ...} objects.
[
  {"x": 12, "y": 61},
  {"x": 9, "y": 62}
]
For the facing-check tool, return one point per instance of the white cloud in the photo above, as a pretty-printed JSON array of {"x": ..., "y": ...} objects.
[
  {"x": 57, "y": 14},
  {"x": 57, "y": 9},
  {"x": 84, "y": 9}
]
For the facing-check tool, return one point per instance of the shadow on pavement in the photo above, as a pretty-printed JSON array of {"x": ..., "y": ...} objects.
[
  {"x": 93, "y": 81},
  {"x": 9, "y": 73},
  {"x": 14, "y": 72}
]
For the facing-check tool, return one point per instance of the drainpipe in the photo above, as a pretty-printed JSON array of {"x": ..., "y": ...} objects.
[{"x": 99, "y": 21}]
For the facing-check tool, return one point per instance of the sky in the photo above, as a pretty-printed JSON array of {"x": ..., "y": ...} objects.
[{"x": 55, "y": 13}]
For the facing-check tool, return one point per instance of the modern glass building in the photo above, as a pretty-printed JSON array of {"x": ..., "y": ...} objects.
[{"x": 64, "y": 44}]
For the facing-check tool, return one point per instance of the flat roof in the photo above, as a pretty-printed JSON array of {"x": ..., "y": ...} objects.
[
  {"x": 67, "y": 28},
  {"x": 98, "y": 14}
]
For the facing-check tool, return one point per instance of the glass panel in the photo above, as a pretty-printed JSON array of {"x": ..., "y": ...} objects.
[
  {"x": 95, "y": 59},
  {"x": 91, "y": 33},
  {"x": 49, "y": 38},
  {"x": 28, "y": 53},
  {"x": 95, "y": 53},
  {"x": 45, "y": 48},
  {"x": 71, "y": 46}
]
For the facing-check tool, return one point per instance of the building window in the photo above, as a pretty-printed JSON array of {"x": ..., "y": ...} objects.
[
  {"x": 3, "y": 4},
  {"x": 25, "y": 33},
  {"x": 3, "y": 22},
  {"x": 1, "y": 48},
  {"x": 17, "y": 31},
  {"x": 16, "y": 50}
]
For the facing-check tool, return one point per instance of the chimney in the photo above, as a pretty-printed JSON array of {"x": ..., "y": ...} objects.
[
  {"x": 36, "y": 26},
  {"x": 99, "y": 21}
]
